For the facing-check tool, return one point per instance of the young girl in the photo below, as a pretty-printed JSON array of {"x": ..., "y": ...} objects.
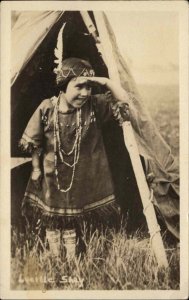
[{"x": 70, "y": 173}]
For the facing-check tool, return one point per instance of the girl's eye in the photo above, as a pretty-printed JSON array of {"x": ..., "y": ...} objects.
[
  {"x": 77, "y": 88},
  {"x": 80, "y": 87}
]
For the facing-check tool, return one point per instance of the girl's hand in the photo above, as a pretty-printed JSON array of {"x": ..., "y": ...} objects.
[
  {"x": 99, "y": 80},
  {"x": 116, "y": 89},
  {"x": 93, "y": 80},
  {"x": 36, "y": 176}
]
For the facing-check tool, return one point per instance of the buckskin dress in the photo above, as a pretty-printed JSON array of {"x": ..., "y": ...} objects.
[{"x": 92, "y": 187}]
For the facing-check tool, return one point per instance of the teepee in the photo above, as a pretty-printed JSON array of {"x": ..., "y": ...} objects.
[{"x": 89, "y": 35}]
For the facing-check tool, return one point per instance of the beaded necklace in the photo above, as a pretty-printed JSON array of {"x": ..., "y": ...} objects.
[{"x": 58, "y": 148}]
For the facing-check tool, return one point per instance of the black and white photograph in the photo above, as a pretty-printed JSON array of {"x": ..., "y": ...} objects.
[{"x": 94, "y": 156}]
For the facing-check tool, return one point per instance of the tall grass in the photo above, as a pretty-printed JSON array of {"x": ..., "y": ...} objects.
[{"x": 112, "y": 260}]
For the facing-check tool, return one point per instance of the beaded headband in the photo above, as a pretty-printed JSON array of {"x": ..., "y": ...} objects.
[
  {"x": 70, "y": 72},
  {"x": 63, "y": 75}
]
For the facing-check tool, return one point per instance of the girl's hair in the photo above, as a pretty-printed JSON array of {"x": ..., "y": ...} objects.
[
  {"x": 72, "y": 67},
  {"x": 63, "y": 86}
]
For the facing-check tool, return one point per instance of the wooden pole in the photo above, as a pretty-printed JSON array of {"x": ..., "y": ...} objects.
[
  {"x": 92, "y": 30},
  {"x": 130, "y": 143},
  {"x": 146, "y": 196}
]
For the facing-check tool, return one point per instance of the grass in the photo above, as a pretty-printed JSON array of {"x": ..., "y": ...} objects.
[{"x": 112, "y": 260}]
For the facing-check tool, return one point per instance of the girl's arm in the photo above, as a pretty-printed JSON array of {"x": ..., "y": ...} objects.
[
  {"x": 36, "y": 172},
  {"x": 116, "y": 89}
]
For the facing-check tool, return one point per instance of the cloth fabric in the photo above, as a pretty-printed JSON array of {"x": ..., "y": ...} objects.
[
  {"x": 92, "y": 186},
  {"x": 29, "y": 29},
  {"x": 157, "y": 154}
]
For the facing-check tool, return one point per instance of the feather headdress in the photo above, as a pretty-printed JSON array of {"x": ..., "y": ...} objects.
[{"x": 58, "y": 51}]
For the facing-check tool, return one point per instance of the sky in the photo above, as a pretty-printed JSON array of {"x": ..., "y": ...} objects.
[{"x": 149, "y": 42}]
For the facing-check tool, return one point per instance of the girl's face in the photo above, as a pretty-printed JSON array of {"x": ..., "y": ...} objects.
[{"x": 77, "y": 92}]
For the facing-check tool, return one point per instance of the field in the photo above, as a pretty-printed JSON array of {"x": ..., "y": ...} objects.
[
  {"x": 112, "y": 259},
  {"x": 163, "y": 105}
]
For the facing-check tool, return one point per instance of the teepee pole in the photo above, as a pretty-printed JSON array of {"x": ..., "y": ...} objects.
[
  {"x": 146, "y": 196},
  {"x": 131, "y": 145}
]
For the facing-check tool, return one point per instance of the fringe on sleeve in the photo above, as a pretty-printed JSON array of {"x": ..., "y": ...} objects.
[
  {"x": 27, "y": 145},
  {"x": 120, "y": 111}
]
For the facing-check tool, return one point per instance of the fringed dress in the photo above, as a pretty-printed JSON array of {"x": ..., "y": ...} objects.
[{"x": 92, "y": 189}]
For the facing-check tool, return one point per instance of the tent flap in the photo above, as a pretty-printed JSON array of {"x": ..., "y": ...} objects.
[{"x": 28, "y": 32}]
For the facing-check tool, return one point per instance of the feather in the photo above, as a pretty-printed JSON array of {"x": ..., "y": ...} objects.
[{"x": 58, "y": 51}]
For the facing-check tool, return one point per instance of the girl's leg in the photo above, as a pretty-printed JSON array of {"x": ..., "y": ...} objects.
[
  {"x": 69, "y": 238},
  {"x": 69, "y": 241},
  {"x": 53, "y": 237},
  {"x": 58, "y": 229}
]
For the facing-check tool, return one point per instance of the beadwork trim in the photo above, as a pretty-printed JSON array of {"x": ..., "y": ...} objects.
[
  {"x": 69, "y": 211},
  {"x": 120, "y": 111},
  {"x": 71, "y": 73},
  {"x": 58, "y": 149},
  {"x": 26, "y": 144}
]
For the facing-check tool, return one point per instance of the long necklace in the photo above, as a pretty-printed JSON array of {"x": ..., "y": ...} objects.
[{"x": 59, "y": 149}]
